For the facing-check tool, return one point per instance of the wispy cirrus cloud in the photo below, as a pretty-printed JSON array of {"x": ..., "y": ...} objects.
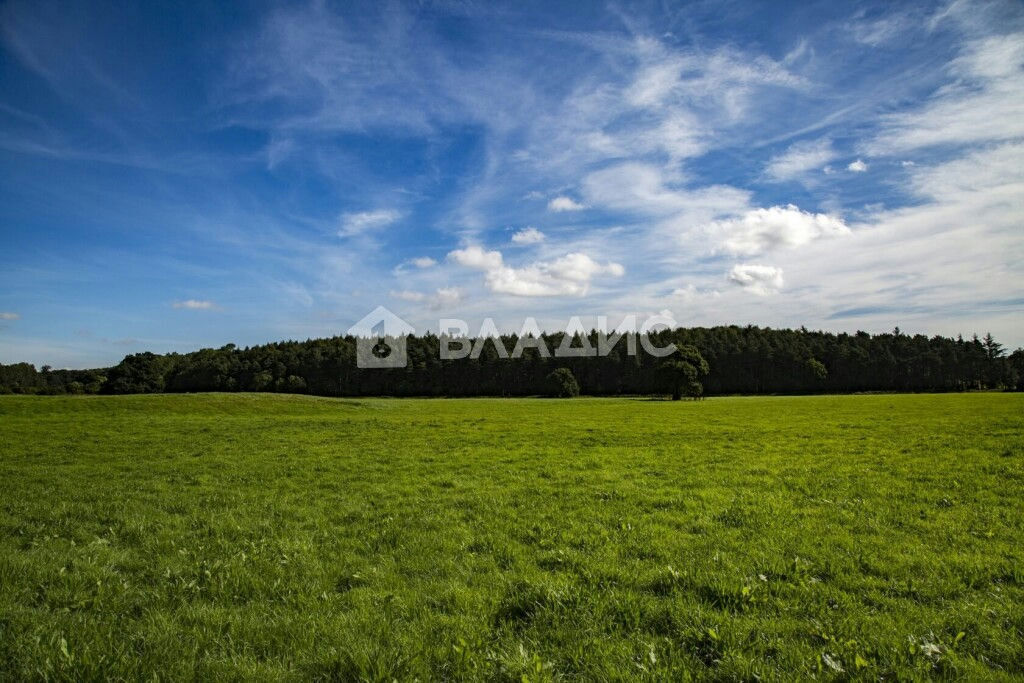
[
  {"x": 440, "y": 299},
  {"x": 195, "y": 305},
  {"x": 360, "y": 222},
  {"x": 799, "y": 159},
  {"x": 983, "y": 101}
]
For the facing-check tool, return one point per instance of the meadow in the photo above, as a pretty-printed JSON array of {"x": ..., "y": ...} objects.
[{"x": 250, "y": 536}]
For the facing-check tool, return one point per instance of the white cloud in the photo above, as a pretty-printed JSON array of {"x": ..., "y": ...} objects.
[
  {"x": 756, "y": 279},
  {"x": 762, "y": 230},
  {"x": 443, "y": 297},
  {"x": 643, "y": 188},
  {"x": 725, "y": 78},
  {"x": 993, "y": 58},
  {"x": 568, "y": 275},
  {"x": 564, "y": 203},
  {"x": 691, "y": 293},
  {"x": 857, "y": 166},
  {"x": 10, "y": 316},
  {"x": 353, "y": 224},
  {"x": 883, "y": 30},
  {"x": 983, "y": 102},
  {"x": 997, "y": 172},
  {"x": 799, "y": 159},
  {"x": 447, "y": 296},
  {"x": 419, "y": 263},
  {"x": 528, "y": 235},
  {"x": 409, "y": 295},
  {"x": 195, "y": 305},
  {"x": 476, "y": 257},
  {"x": 680, "y": 136},
  {"x": 950, "y": 263}
]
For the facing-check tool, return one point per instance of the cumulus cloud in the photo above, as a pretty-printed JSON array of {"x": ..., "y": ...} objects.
[
  {"x": 528, "y": 235},
  {"x": 9, "y": 316},
  {"x": 857, "y": 166},
  {"x": 563, "y": 203},
  {"x": 762, "y": 230},
  {"x": 353, "y": 224},
  {"x": 195, "y": 305},
  {"x": 756, "y": 279},
  {"x": 799, "y": 159},
  {"x": 476, "y": 257},
  {"x": 569, "y": 275}
]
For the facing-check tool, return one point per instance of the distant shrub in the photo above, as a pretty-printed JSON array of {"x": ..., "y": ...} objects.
[
  {"x": 562, "y": 384},
  {"x": 294, "y": 385},
  {"x": 817, "y": 369}
]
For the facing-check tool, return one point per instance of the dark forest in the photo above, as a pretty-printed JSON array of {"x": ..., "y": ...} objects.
[{"x": 739, "y": 360}]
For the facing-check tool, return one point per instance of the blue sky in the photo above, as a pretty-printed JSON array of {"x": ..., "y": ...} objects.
[{"x": 179, "y": 177}]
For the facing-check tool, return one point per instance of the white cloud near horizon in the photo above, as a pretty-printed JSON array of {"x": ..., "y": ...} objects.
[
  {"x": 756, "y": 279},
  {"x": 6, "y": 315},
  {"x": 441, "y": 298}
]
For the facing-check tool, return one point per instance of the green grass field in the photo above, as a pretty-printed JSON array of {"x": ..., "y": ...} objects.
[{"x": 267, "y": 536}]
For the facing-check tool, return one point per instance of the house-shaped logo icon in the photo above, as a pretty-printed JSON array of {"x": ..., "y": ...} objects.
[{"x": 381, "y": 340}]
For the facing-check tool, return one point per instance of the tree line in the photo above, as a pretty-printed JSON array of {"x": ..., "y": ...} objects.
[{"x": 715, "y": 360}]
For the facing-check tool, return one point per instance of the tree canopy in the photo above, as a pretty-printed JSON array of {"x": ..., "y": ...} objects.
[{"x": 721, "y": 360}]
